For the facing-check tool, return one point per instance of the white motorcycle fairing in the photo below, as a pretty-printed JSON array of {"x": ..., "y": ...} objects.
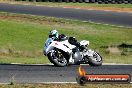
[
  {"x": 90, "y": 52},
  {"x": 62, "y": 45}
]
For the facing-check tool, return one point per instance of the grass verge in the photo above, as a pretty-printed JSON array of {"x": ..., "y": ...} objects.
[
  {"x": 67, "y": 86},
  {"x": 22, "y": 38}
]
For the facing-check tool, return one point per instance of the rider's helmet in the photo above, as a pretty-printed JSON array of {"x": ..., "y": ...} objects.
[{"x": 53, "y": 34}]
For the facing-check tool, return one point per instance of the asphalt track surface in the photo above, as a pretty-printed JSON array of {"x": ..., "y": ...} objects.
[
  {"x": 49, "y": 73},
  {"x": 114, "y": 18}
]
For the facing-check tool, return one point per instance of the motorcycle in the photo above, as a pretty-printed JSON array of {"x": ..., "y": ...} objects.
[{"x": 69, "y": 51}]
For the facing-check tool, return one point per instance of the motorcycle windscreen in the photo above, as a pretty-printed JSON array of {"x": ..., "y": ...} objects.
[{"x": 47, "y": 43}]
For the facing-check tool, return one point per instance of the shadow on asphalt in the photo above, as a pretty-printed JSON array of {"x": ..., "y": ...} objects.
[{"x": 45, "y": 65}]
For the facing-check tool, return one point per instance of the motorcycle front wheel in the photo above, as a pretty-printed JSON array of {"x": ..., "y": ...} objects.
[
  {"x": 58, "y": 58},
  {"x": 95, "y": 60}
]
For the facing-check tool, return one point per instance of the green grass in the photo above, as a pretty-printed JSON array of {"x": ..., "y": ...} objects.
[
  {"x": 85, "y": 4},
  {"x": 75, "y": 4},
  {"x": 24, "y": 60},
  {"x": 22, "y": 37}
]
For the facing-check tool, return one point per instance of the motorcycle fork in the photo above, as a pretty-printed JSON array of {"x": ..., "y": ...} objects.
[{"x": 71, "y": 60}]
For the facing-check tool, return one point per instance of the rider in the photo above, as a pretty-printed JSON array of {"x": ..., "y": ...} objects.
[
  {"x": 56, "y": 36},
  {"x": 60, "y": 37}
]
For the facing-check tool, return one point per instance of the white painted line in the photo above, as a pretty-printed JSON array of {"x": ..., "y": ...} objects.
[
  {"x": 67, "y": 7},
  {"x": 5, "y": 83},
  {"x": 31, "y": 64},
  {"x": 77, "y": 8},
  {"x": 115, "y": 64},
  {"x": 16, "y": 63},
  {"x": 64, "y": 82},
  {"x": 108, "y": 24},
  {"x": 86, "y": 21},
  {"x": 110, "y": 64},
  {"x": 59, "y": 82},
  {"x": 81, "y": 64},
  {"x": 52, "y": 83},
  {"x": 100, "y": 23}
]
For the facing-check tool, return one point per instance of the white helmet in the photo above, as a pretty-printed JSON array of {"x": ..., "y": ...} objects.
[{"x": 53, "y": 34}]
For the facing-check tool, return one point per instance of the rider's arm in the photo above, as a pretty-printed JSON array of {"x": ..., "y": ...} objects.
[{"x": 62, "y": 37}]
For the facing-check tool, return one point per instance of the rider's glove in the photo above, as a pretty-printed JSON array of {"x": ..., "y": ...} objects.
[{"x": 44, "y": 53}]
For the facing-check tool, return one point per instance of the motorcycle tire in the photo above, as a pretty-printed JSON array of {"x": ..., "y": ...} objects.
[
  {"x": 93, "y": 61},
  {"x": 55, "y": 59}
]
